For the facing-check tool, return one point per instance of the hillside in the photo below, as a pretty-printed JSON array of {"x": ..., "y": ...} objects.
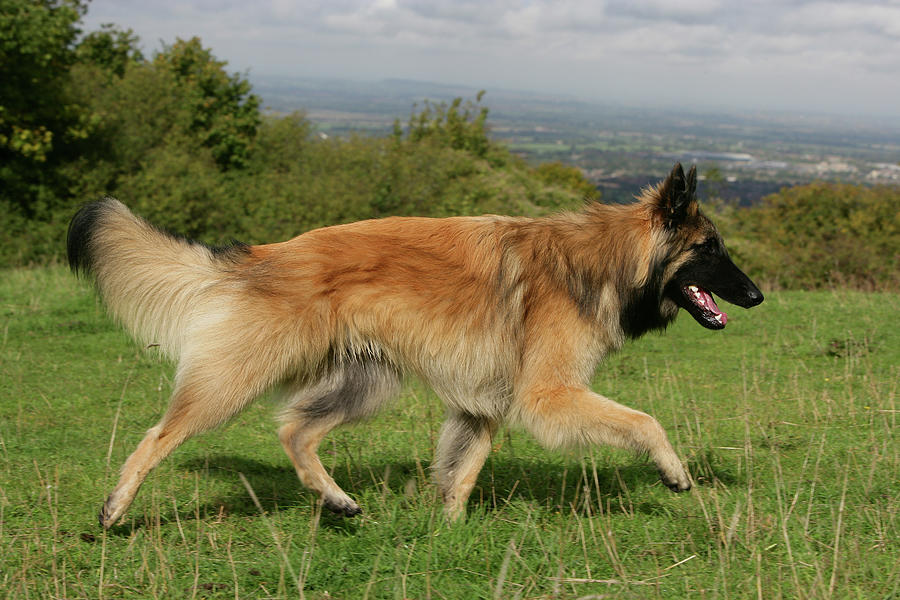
[{"x": 617, "y": 146}]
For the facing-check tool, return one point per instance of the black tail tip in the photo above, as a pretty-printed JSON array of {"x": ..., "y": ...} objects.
[{"x": 81, "y": 231}]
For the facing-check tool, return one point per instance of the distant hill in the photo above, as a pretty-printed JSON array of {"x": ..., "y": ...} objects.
[
  {"x": 620, "y": 148},
  {"x": 621, "y": 190}
]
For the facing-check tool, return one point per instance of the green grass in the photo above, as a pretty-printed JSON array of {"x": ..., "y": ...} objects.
[{"x": 787, "y": 420}]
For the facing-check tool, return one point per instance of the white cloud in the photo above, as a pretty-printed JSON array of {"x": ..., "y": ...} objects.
[
  {"x": 831, "y": 56},
  {"x": 826, "y": 18}
]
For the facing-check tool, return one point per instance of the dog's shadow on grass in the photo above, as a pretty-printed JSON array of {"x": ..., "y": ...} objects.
[{"x": 555, "y": 484}]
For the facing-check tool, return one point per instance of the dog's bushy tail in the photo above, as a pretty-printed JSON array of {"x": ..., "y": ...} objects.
[{"x": 150, "y": 280}]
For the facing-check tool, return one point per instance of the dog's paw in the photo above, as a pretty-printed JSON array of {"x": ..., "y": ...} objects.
[
  {"x": 342, "y": 506},
  {"x": 679, "y": 482},
  {"x": 107, "y": 515}
]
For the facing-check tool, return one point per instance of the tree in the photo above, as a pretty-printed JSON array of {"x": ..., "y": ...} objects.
[
  {"x": 821, "y": 235},
  {"x": 178, "y": 119},
  {"x": 223, "y": 114},
  {"x": 37, "y": 120},
  {"x": 565, "y": 176},
  {"x": 112, "y": 49},
  {"x": 459, "y": 126}
]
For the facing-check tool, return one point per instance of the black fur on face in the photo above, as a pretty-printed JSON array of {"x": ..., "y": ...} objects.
[
  {"x": 704, "y": 265},
  {"x": 709, "y": 270}
]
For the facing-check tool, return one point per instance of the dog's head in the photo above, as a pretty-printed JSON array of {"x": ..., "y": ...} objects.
[{"x": 698, "y": 264}]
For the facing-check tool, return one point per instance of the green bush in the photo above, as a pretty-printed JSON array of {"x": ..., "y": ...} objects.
[
  {"x": 819, "y": 235},
  {"x": 564, "y": 176}
]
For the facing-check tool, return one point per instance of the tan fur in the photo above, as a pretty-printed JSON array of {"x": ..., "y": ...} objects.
[{"x": 506, "y": 318}]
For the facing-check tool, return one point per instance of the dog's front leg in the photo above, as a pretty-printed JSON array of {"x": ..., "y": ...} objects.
[{"x": 565, "y": 415}]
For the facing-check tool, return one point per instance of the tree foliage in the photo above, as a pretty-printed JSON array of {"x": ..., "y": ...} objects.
[
  {"x": 38, "y": 121},
  {"x": 35, "y": 55},
  {"x": 221, "y": 111},
  {"x": 458, "y": 126},
  {"x": 90, "y": 115},
  {"x": 820, "y": 235},
  {"x": 111, "y": 48},
  {"x": 558, "y": 174}
]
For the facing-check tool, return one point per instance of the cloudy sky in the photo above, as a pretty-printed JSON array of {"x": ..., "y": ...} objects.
[{"x": 811, "y": 56}]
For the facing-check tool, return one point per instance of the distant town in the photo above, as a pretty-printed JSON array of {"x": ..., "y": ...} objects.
[{"x": 741, "y": 157}]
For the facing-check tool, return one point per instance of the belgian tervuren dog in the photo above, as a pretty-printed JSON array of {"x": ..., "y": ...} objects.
[{"x": 506, "y": 318}]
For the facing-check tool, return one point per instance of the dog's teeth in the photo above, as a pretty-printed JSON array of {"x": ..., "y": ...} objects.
[
  {"x": 693, "y": 288},
  {"x": 718, "y": 318}
]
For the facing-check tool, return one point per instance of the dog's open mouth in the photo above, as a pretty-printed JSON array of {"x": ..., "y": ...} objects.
[{"x": 703, "y": 308}]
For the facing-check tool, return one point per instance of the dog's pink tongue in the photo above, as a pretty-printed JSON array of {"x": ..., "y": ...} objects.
[{"x": 704, "y": 300}]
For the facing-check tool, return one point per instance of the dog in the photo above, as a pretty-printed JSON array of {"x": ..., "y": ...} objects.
[{"x": 506, "y": 318}]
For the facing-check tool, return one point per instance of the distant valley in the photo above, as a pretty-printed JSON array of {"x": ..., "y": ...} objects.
[{"x": 742, "y": 157}]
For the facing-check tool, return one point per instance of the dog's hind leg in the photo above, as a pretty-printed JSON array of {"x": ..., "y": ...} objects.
[
  {"x": 347, "y": 393},
  {"x": 463, "y": 446},
  {"x": 203, "y": 398}
]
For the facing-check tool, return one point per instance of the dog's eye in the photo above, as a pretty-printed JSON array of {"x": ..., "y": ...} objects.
[{"x": 708, "y": 246}]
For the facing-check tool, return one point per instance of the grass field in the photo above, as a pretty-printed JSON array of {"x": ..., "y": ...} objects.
[{"x": 787, "y": 419}]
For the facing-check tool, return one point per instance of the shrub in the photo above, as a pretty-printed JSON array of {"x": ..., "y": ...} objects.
[{"x": 820, "y": 235}]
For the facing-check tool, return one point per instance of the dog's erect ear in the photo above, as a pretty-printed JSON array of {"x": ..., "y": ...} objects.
[
  {"x": 692, "y": 183},
  {"x": 677, "y": 196}
]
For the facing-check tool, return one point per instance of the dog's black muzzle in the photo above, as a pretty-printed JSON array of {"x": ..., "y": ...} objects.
[{"x": 696, "y": 281}]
